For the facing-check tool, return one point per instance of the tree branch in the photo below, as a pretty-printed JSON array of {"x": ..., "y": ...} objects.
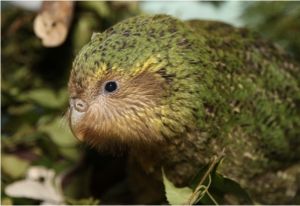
[{"x": 53, "y": 22}]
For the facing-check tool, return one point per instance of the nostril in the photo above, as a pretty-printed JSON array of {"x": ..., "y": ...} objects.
[{"x": 79, "y": 105}]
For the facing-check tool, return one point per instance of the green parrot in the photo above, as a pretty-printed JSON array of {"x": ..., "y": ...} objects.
[{"x": 176, "y": 93}]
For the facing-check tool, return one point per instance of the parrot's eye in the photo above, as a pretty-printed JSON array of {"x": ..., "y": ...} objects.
[{"x": 111, "y": 86}]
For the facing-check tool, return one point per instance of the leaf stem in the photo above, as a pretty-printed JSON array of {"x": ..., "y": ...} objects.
[{"x": 207, "y": 174}]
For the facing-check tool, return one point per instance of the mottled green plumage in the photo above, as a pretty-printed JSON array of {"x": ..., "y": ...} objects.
[{"x": 224, "y": 87}]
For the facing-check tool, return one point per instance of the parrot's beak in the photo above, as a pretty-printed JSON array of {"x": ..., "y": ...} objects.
[
  {"x": 73, "y": 127},
  {"x": 77, "y": 111}
]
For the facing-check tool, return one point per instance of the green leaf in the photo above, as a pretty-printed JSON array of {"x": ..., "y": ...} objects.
[
  {"x": 46, "y": 97},
  {"x": 14, "y": 166},
  {"x": 100, "y": 7},
  {"x": 6, "y": 201},
  {"x": 83, "y": 30},
  {"x": 84, "y": 201},
  {"x": 219, "y": 187},
  {"x": 20, "y": 109},
  {"x": 175, "y": 195},
  {"x": 227, "y": 186},
  {"x": 59, "y": 132},
  {"x": 71, "y": 153}
]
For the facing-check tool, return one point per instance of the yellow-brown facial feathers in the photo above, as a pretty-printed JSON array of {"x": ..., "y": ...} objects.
[{"x": 128, "y": 114}]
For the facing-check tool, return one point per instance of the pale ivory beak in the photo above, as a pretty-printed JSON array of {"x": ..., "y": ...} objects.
[
  {"x": 77, "y": 111},
  {"x": 72, "y": 124}
]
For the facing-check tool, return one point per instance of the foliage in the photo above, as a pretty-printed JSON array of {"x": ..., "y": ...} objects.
[
  {"x": 207, "y": 188},
  {"x": 34, "y": 97},
  {"x": 176, "y": 196},
  {"x": 277, "y": 21},
  {"x": 9, "y": 162},
  {"x": 85, "y": 201}
]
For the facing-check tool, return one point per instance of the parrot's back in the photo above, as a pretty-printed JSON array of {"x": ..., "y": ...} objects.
[
  {"x": 256, "y": 84},
  {"x": 250, "y": 106}
]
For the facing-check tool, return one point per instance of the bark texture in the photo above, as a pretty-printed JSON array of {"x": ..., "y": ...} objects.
[{"x": 53, "y": 22}]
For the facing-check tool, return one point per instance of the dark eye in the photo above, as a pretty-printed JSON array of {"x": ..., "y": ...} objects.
[{"x": 111, "y": 86}]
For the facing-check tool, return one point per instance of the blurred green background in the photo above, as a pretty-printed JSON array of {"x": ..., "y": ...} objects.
[{"x": 34, "y": 95}]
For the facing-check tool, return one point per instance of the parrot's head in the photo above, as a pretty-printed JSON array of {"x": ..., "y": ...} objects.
[{"x": 130, "y": 84}]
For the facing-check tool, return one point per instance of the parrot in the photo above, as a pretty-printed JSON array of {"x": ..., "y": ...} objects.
[{"x": 176, "y": 93}]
